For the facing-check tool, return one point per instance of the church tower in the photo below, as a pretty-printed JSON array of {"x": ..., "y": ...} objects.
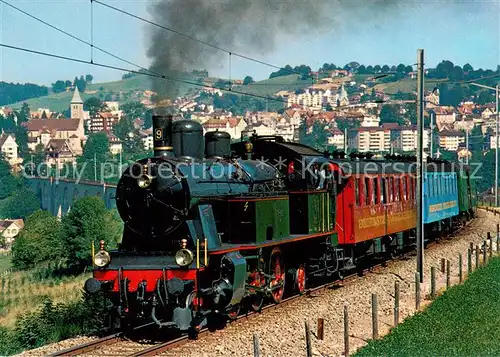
[{"x": 76, "y": 105}]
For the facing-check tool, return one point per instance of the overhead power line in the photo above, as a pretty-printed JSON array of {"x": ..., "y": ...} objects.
[{"x": 192, "y": 38}]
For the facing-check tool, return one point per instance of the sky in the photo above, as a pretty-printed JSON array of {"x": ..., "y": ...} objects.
[{"x": 460, "y": 31}]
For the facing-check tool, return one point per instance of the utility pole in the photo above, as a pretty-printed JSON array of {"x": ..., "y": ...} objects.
[
  {"x": 496, "y": 148},
  {"x": 496, "y": 89},
  {"x": 345, "y": 141},
  {"x": 431, "y": 115},
  {"x": 420, "y": 163},
  {"x": 95, "y": 167},
  {"x": 467, "y": 146}
]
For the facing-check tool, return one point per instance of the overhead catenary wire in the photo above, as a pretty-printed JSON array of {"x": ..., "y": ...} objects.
[{"x": 146, "y": 71}]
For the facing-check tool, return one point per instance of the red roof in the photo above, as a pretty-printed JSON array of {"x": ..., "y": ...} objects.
[{"x": 53, "y": 124}]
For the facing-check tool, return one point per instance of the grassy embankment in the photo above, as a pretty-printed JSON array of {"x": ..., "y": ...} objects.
[
  {"x": 22, "y": 292},
  {"x": 43, "y": 305},
  {"x": 464, "y": 321}
]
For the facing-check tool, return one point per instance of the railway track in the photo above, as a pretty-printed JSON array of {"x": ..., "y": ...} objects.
[{"x": 164, "y": 346}]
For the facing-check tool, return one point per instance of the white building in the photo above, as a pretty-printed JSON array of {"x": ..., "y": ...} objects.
[
  {"x": 232, "y": 126},
  {"x": 405, "y": 138},
  {"x": 451, "y": 139},
  {"x": 373, "y": 139},
  {"x": 370, "y": 121},
  {"x": 8, "y": 147},
  {"x": 336, "y": 138}
]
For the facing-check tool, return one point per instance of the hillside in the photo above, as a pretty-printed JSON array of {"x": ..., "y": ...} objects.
[
  {"x": 269, "y": 87},
  {"x": 406, "y": 85},
  {"x": 122, "y": 90}
]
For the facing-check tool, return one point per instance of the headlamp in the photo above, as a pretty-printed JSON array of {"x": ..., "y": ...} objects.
[
  {"x": 184, "y": 257},
  {"x": 101, "y": 258},
  {"x": 144, "y": 181}
]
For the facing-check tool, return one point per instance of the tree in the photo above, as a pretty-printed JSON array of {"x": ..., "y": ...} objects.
[
  {"x": 87, "y": 222},
  {"x": 408, "y": 69},
  {"x": 485, "y": 96},
  {"x": 411, "y": 113},
  {"x": 134, "y": 110},
  {"x": 390, "y": 114},
  {"x": 89, "y": 78},
  {"x": 97, "y": 146},
  {"x": 369, "y": 70},
  {"x": 317, "y": 137},
  {"x": 443, "y": 69},
  {"x": 94, "y": 105},
  {"x": 59, "y": 86},
  {"x": 468, "y": 68},
  {"x": 377, "y": 68},
  {"x": 248, "y": 80},
  {"x": 22, "y": 140},
  {"x": 385, "y": 69},
  {"x": 362, "y": 69},
  {"x": 20, "y": 204},
  {"x": 8, "y": 182},
  {"x": 80, "y": 84},
  {"x": 400, "y": 68},
  {"x": 23, "y": 116},
  {"x": 39, "y": 241}
]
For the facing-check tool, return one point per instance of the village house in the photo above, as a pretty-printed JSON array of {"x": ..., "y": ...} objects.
[
  {"x": 115, "y": 145},
  {"x": 232, "y": 126},
  {"x": 60, "y": 152},
  {"x": 9, "y": 148},
  {"x": 444, "y": 115},
  {"x": 41, "y": 131},
  {"x": 451, "y": 139},
  {"x": 104, "y": 121},
  {"x": 9, "y": 229},
  {"x": 336, "y": 138}
]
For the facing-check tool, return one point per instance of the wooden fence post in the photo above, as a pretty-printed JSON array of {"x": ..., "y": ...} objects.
[
  {"x": 321, "y": 326},
  {"x": 396, "y": 303},
  {"x": 256, "y": 351},
  {"x": 460, "y": 274},
  {"x": 490, "y": 241},
  {"x": 433, "y": 282},
  {"x": 417, "y": 291},
  {"x": 498, "y": 238},
  {"x": 308, "y": 340},
  {"x": 374, "y": 317},
  {"x": 346, "y": 330},
  {"x": 469, "y": 261},
  {"x": 447, "y": 274},
  {"x": 485, "y": 258},
  {"x": 477, "y": 257},
  {"x": 443, "y": 261}
]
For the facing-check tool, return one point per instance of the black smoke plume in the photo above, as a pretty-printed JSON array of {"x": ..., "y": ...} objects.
[{"x": 250, "y": 27}]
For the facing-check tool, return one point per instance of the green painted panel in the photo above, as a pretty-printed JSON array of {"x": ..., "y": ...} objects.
[
  {"x": 320, "y": 212},
  {"x": 272, "y": 219}
]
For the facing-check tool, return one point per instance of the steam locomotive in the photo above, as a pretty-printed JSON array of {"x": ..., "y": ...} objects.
[{"x": 207, "y": 233}]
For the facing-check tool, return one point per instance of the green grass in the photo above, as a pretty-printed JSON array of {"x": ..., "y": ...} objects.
[
  {"x": 5, "y": 263},
  {"x": 269, "y": 87},
  {"x": 406, "y": 85},
  {"x": 464, "y": 321},
  {"x": 60, "y": 101}
]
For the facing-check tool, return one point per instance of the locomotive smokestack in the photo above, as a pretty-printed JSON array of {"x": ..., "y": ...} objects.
[{"x": 162, "y": 136}]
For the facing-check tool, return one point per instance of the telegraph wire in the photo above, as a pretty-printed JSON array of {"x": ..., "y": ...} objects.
[
  {"x": 195, "y": 38},
  {"x": 150, "y": 74},
  {"x": 77, "y": 38}
]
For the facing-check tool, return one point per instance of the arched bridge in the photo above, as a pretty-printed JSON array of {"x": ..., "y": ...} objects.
[{"x": 57, "y": 195}]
